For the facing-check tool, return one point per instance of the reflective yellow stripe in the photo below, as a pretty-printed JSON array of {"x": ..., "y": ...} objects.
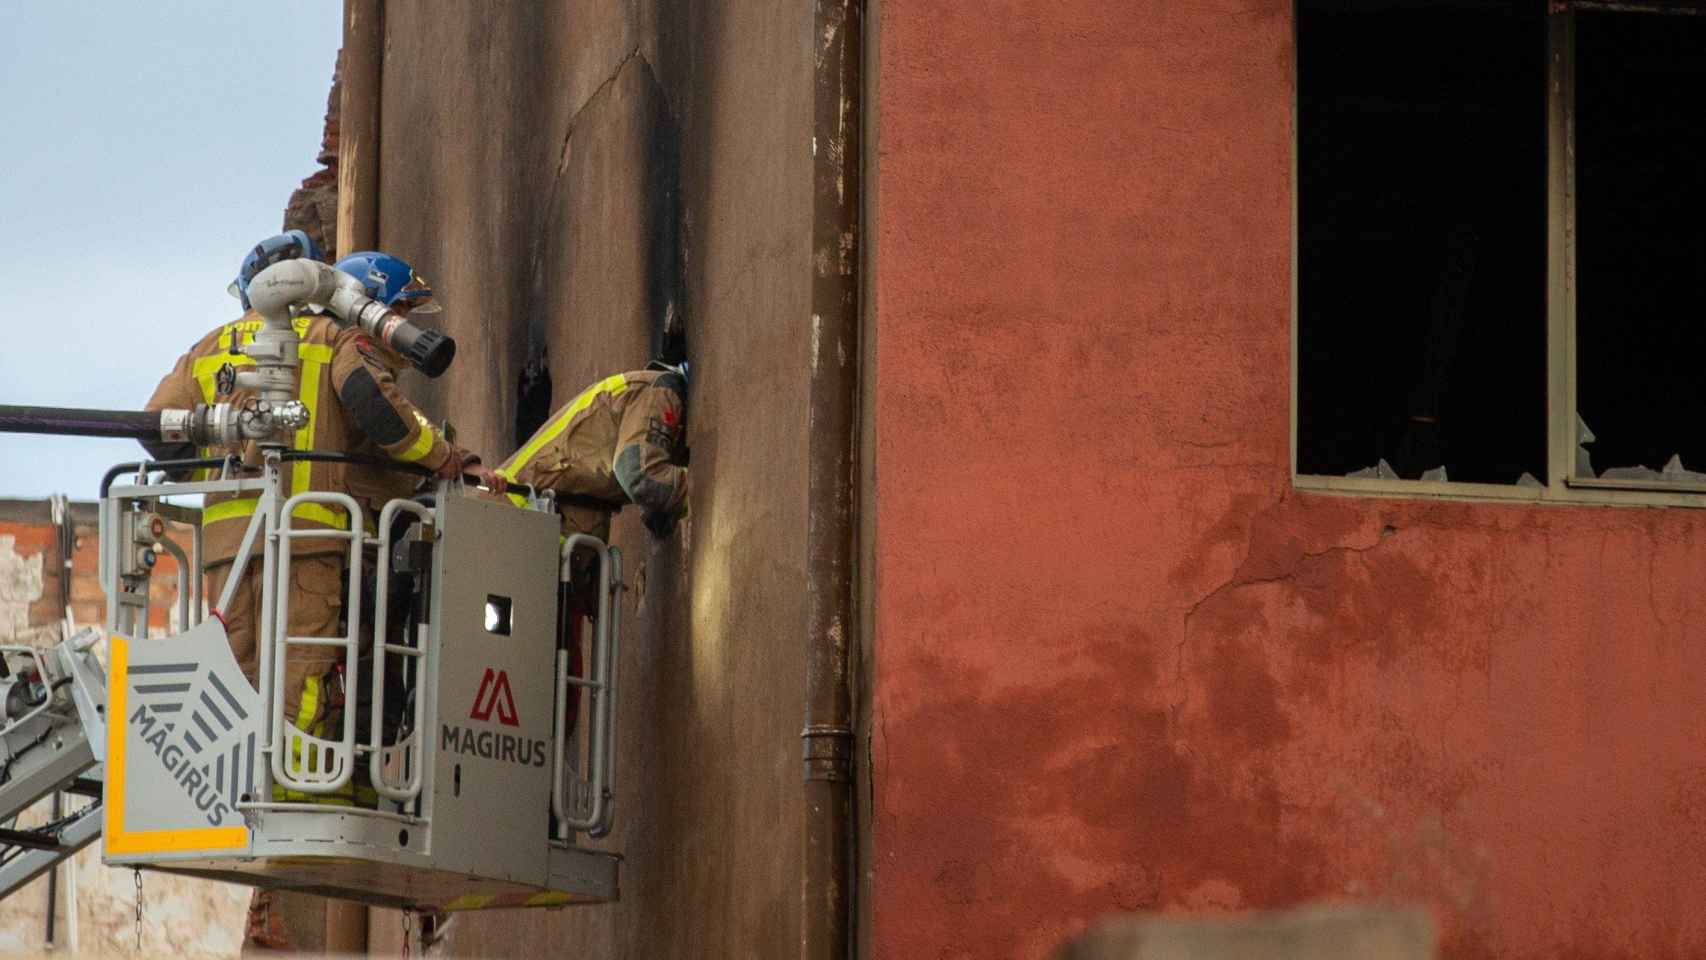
[
  {"x": 333, "y": 517},
  {"x": 549, "y": 898},
  {"x": 305, "y": 712},
  {"x": 614, "y": 385},
  {"x": 251, "y": 327},
  {"x": 347, "y": 795},
  {"x": 305, "y": 709},
  {"x": 517, "y": 498},
  {"x": 228, "y": 509},
  {"x": 423, "y": 443},
  {"x": 206, "y": 369},
  {"x": 314, "y": 357},
  {"x": 309, "y": 393},
  {"x": 472, "y": 901}
]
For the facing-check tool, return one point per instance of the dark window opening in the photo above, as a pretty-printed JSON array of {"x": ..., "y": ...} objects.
[
  {"x": 1422, "y": 239},
  {"x": 533, "y": 400},
  {"x": 1641, "y": 241}
]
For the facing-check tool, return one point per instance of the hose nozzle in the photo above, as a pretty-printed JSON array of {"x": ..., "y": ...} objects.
[
  {"x": 301, "y": 282},
  {"x": 425, "y": 349}
]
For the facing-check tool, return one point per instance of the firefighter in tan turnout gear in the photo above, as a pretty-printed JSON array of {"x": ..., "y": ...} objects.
[
  {"x": 618, "y": 442},
  {"x": 348, "y": 384}
]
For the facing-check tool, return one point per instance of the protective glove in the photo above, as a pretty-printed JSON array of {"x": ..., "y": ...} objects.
[{"x": 661, "y": 524}]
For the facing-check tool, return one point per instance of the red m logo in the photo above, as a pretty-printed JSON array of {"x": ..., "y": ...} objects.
[{"x": 494, "y": 693}]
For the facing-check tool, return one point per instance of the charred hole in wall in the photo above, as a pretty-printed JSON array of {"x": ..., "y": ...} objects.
[
  {"x": 665, "y": 259},
  {"x": 533, "y": 399},
  {"x": 1641, "y": 243},
  {"x": 1422, "y": 231}
]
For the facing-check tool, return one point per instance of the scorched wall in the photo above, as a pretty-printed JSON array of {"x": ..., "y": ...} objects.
[{"x": 561, "y": 173}]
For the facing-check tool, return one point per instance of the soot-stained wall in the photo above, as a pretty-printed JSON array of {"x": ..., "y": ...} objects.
[
  {"x": 1120, "y": 664},
  {"x": 561, "y": 172}
]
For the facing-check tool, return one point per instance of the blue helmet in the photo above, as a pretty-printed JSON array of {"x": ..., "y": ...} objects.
[
  {"x": 389, "y": 280},
  {"x": 289, "y": 245}
]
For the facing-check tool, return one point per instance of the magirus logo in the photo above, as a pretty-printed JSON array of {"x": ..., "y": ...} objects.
[
  {"x": 197, "y": 732},
  {"x": 494, "y": 695}
]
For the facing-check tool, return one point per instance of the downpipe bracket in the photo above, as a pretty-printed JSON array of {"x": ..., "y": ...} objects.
[{"x": 828, "y": 753}]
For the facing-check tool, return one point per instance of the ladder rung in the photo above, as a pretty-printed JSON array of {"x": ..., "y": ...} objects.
[
  {"x": 316, "y": 533},
  {"x": 320, "y": 641}
]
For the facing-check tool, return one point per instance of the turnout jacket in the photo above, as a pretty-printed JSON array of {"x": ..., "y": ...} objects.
[
  {"x": 612, "y": 445},
  {"x": 349, "y": 386}
]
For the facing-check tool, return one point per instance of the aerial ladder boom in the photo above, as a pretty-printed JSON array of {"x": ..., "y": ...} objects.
[{"x": 52, "y": 737}]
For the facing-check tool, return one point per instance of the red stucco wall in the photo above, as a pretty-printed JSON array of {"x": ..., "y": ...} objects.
[{"x": 1119, "y": 663}]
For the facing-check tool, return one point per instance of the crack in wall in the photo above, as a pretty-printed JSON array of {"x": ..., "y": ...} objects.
[
  {"x": 1239, "y": 581},
  {"x": 538, "y": 337},
  {"x": 543, "y": 225}
]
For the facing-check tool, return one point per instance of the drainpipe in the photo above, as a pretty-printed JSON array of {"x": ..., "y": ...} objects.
[
  {"x": 358, "y": 126},
  {"x": 832, "y": 442},
  {"x": 358, "y": 229}
]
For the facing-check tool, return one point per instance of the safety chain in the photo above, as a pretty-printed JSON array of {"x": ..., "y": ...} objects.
[
  {"x": 137, "y": 876},
  {"x": 408, "y": 925}
]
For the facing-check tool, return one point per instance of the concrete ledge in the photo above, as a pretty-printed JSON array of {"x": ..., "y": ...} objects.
[{"x": 1310, "y": 933}]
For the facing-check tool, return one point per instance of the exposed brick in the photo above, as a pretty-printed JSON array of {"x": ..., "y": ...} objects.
[{"x": 313, "y": 207}]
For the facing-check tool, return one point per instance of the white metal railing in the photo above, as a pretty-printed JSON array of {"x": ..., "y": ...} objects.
[
  {"x": 589, "y": 808},
  {"x": 301, "y": 760},
  {"x": 405, "y": 755},
  {"x": 128, "y": 609}
]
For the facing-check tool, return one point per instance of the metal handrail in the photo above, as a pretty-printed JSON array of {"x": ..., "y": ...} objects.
[
  {"x": 186, "y": 574},
  {"x": 601, "y": 707},
  {"x": 322, "y": 766},
  {"x": 613, "y": 643},
  {"x": 379, "y": 754}
]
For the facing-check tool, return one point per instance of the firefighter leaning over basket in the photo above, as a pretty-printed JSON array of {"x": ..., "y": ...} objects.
[
  {"x": 618, "y": 442},
  {"x": 348, "y": 384}
]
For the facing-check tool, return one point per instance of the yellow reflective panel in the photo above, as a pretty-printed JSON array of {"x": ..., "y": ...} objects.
[{"x": 615, "y": 385}]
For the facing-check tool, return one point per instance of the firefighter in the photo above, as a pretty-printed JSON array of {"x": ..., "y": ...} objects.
[
  {"x": 348, "y": 383},
  {"x": 618, "y": 442}
]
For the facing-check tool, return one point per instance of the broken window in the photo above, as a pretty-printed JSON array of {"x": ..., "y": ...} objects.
[
  {"x": 1436, "y": 272},
  {"x": 1422, "y": 239},
  {"x": 1640, "y": 209}
]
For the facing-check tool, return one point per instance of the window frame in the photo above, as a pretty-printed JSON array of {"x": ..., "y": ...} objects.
[{"x": 1561, "y": 485}]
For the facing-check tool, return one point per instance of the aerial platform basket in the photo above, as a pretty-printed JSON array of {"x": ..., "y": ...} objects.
[{"x": 448, "y": 781}]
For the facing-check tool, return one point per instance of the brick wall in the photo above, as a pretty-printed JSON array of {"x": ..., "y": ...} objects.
[{"x": 190, "y": 918}]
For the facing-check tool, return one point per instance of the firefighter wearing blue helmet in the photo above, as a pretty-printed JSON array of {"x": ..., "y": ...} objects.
[
  {"x": 288, "y": 245},
  {"x": 390, "y": 280},
  {"x": 348, "y": 384}
]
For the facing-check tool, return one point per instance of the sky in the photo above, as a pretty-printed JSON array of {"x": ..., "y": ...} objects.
[{"x": 144, "y": 148}]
